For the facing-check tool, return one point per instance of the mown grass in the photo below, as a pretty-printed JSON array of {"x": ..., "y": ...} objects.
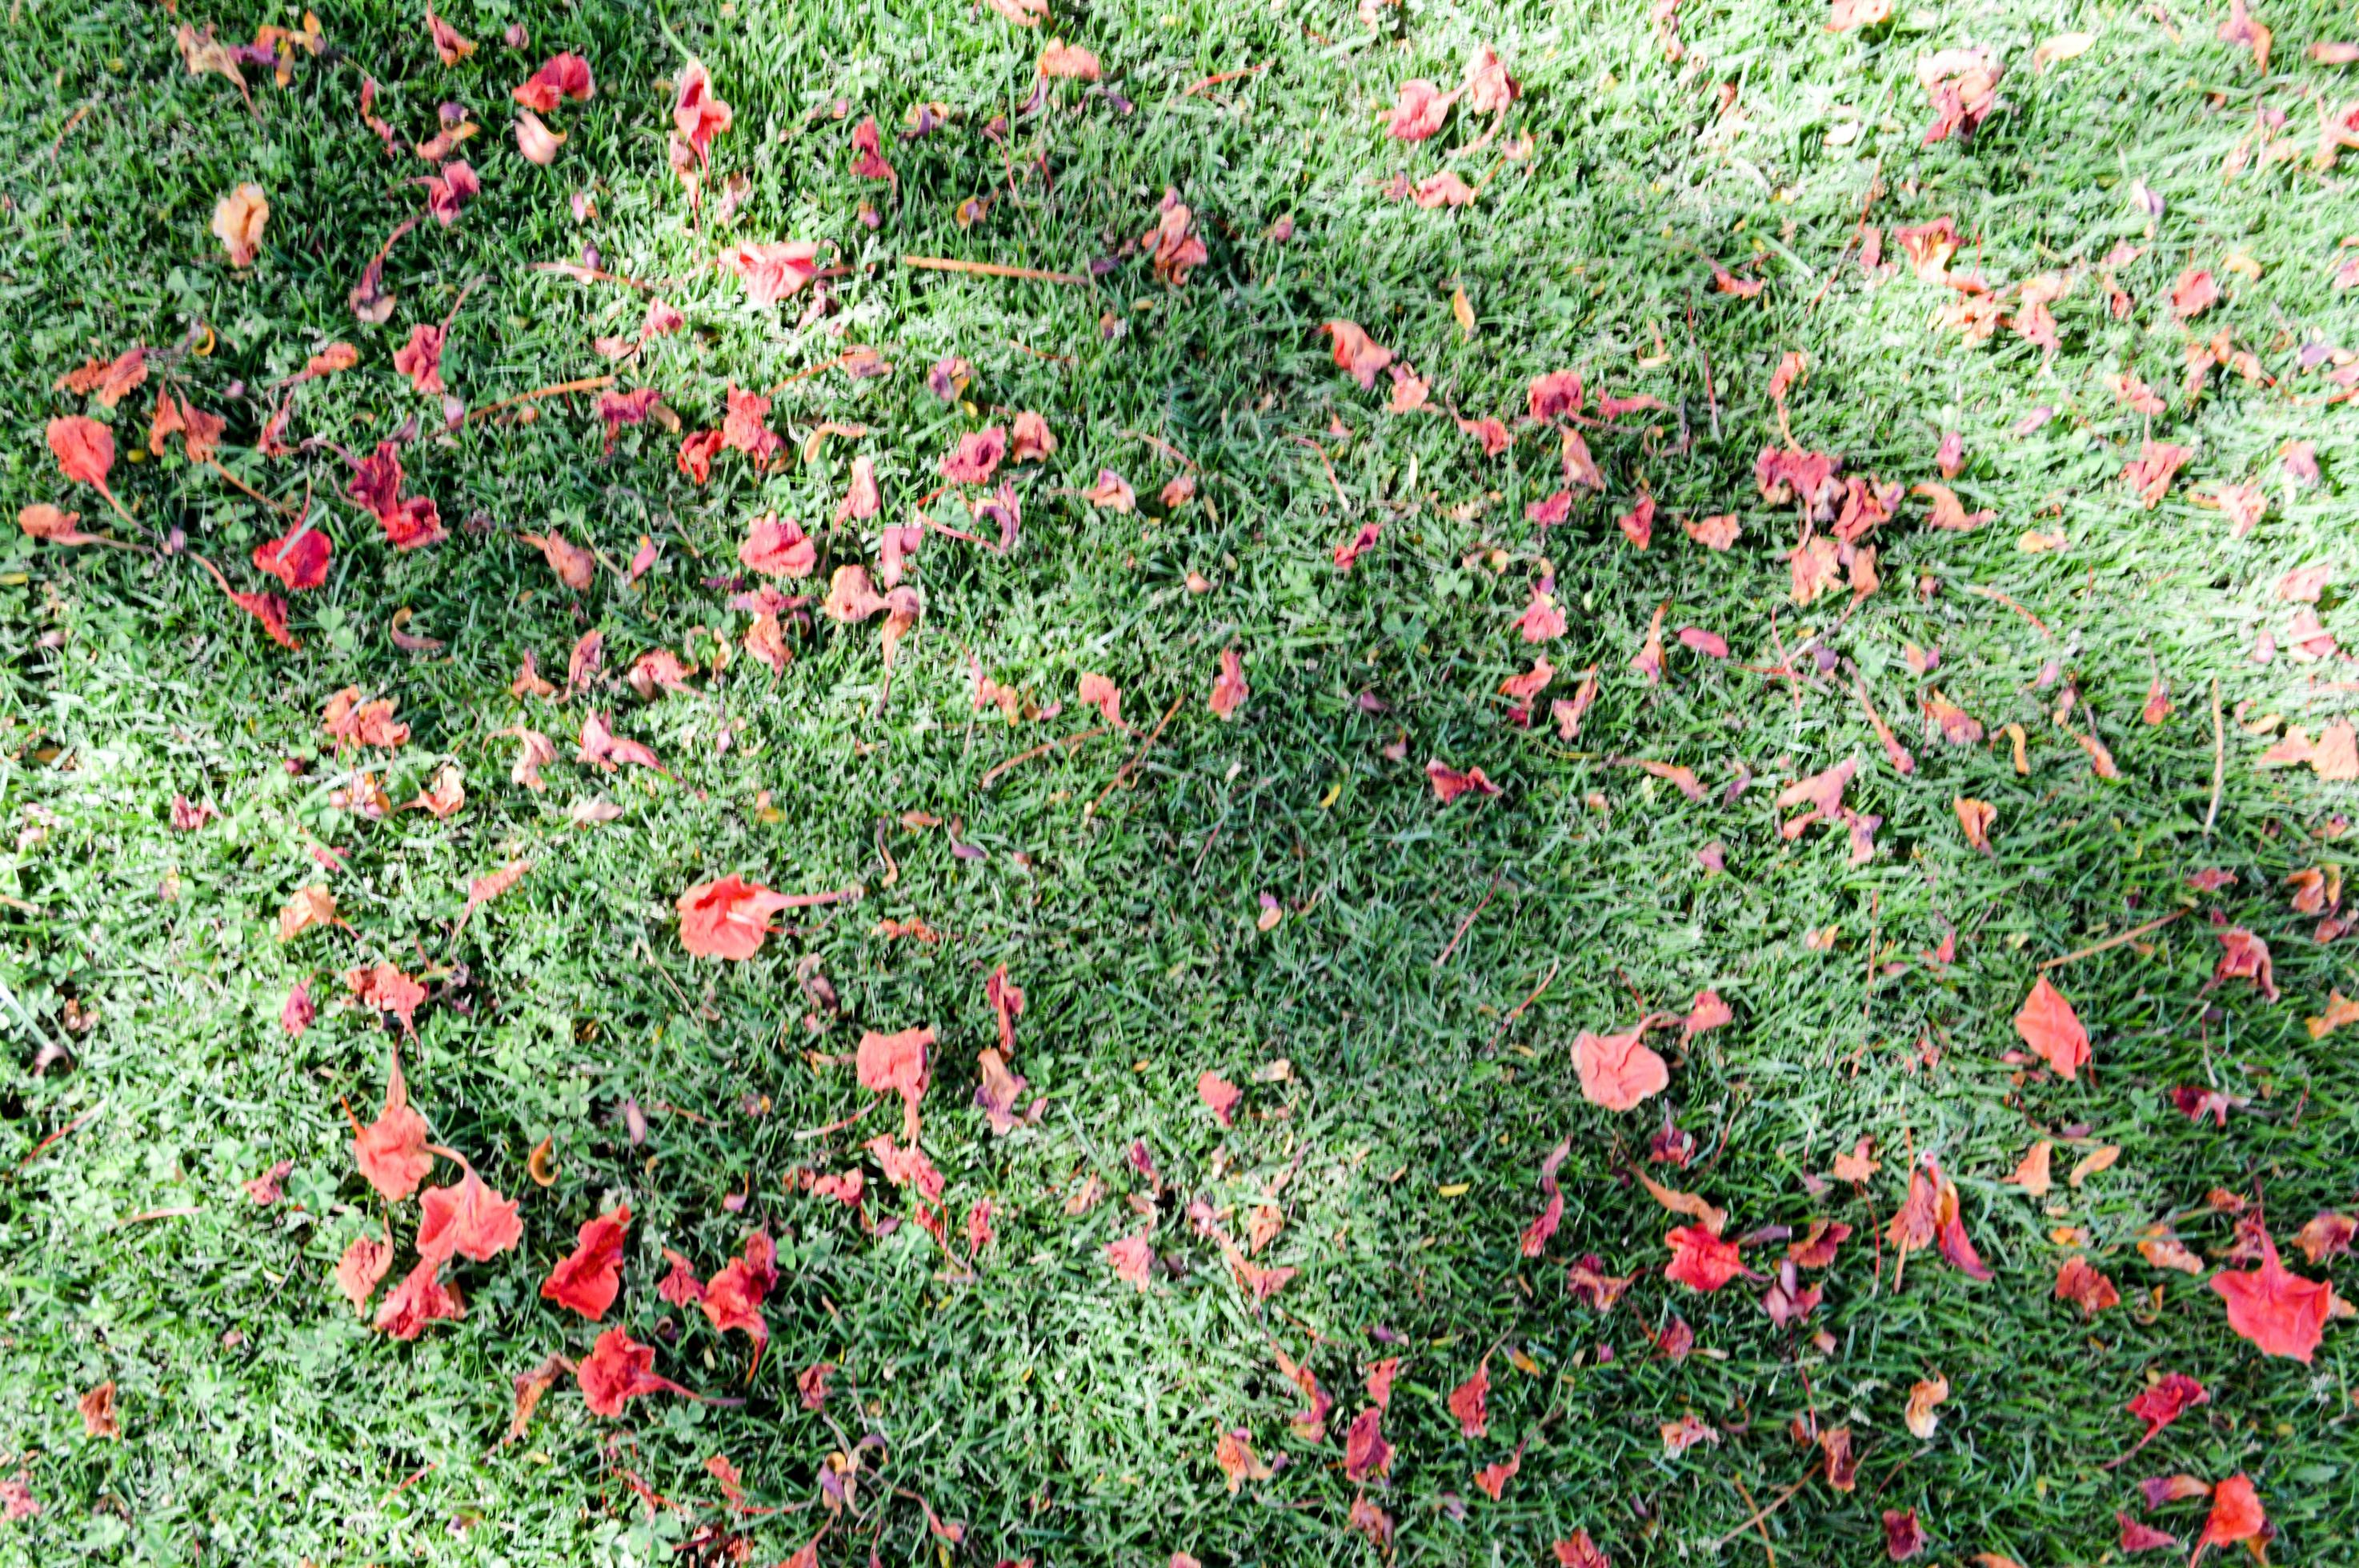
[{"x": 1063, "y": 1415}]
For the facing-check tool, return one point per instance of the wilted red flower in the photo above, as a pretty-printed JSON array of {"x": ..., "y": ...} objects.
[
  {"x": 697, "y": 450},
  {"x": 588, "y": 1277},
  {"x": 1357, "y": 352},
  {"x": 895, "y": 1064},
  {"x": 1220, "y": 1096},
  {"x": 1229, "y": 689},
  {"x": 773, "y": 271},
  {"x": 1553, "y": 396},
  {"x": 1488, "y": 88},
  {"x": 84, "y": 449},
  {"x": 1419, "y": 111},
  {"x": 387, "y": 990},
  {"x": 560, "y": 76},
  {"x": 449, "y": 191},
  {"x": 468, "y": 1219},
  {"x": 534, "y": 140},
  {"x": 1449, "y": 783},
  {"x": 1030, "y": 439},
  {"x": 727, "y": 918},
  {"x": 42, "y": 521},
  {"x": 1700, "y": 1260},
  {"x": 697, "y": 113},
  {"x": 1618, "y": 1071},
  {"x": 1541, "y": 621},
  {"x": 618, "y": 1368},
  {"x": 868, "y": 152},
  {"x": 111, "y": 381},
  {"x": 778, "y": 548},
  {"x": 391, "y": 1150},
  {"x": 364, "y": 1267},
  {"x": 1111, "y": 491},
  {"x": 2243, "y": 956},
  {"x": 976, "y": 457},
  {"x": 1366, "y": 1452},
  {"x": 732, "y": 1298},
  {"x": 1131, "y": 1258},
  {"x": 1469, "y": 1402},
  {"x": 298, "y": 558},
  {"x": 422, "y": 1298},
  {"x": 420, "y": 358},
  {"x": 1173, "y": 245},
  {"x": 2237, "y": 1514}
]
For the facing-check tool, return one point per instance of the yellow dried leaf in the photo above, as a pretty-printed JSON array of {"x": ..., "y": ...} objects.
[
  {"x": 1922, "y": 1398},
  {"x": 1859, "y": 1165},
  {"x": 238, "y": 219},
  {"x": 2340, "y": 1010},
  {"x": 2164, "y": 1250},
  {"x": 2099, "y": 1159},
  {"x": 2032, "y": 1175},
  {"x": 310, "y": 906},
  {"x": 2062, "y": 46},
  {"x": 1689, "y": 1204}
]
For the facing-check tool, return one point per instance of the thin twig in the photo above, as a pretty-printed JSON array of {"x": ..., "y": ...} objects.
[
  {"x": 459, "y": 304},
  {"x": 807, "y": 1133},
  {"x": 1137, "y": 757},
  {"x": 1775, "y": 1503},
  {"x": 1712, "y": 400},
  {"x": 1874, "y": 935},
  {"x": 2219, "y": 760},
  {"x": 72, "y": 120},
  {"x": 1069, "y": 743},
  {"x": 2132, "y": 935},
  {"x": 278, "y": 506},
  {"x": 1474, "y": 147},
  {"x": 1215, "y": 79},
  {"x": 1166, "y": 447},
  {"x": 1517, "y": 1012},
  {"x": 67, "y": 1131},
  {"x": 1040, "y": 353},
  {"x": 1995, "y": 596},
  {"x": 1210, "y": 839},
  {"x": 804, "y": 374},
  {"x": 1893, "y": 751},
  {"x": 1459, "y": 935},
  {"x": 1760, "y": 1520},
  {"x": 814, "y": 900},
  {"x": 588, "y": 384},
  {"x": 1875, "y": 189},
  {"x": 112, "y": 543},
  {"x": 1341, "y": 499},
  {"x": 669, "y": 984},
  {"x": 142, "y": 1218},
  {"x": 927, "y": 519},
  {"x": 992, "y": 269},
  {"x": 580, "y": 273}
]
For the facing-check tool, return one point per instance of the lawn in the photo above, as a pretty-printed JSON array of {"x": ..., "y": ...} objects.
[{"x": 1341, "y": 1066}]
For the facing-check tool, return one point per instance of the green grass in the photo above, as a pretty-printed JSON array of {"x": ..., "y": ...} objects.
[{"x": 1063, "y": 1415}]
